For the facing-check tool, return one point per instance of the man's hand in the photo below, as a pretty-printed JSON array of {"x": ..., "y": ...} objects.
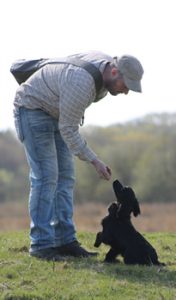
[{"x": 103, "y": 170}]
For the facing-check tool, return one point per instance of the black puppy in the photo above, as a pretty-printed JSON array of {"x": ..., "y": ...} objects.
[{"x": 119, "y": 233}]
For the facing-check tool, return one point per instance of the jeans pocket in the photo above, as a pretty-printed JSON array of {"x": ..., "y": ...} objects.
[{"x": 18, "y": 125}]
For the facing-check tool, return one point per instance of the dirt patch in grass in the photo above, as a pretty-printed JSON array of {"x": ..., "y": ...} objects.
[
  {"x": 87, "y": 217},
  {"x": 154, "y": 217}
]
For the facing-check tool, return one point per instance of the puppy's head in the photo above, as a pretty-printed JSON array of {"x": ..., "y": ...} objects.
[{"x": 127, "y": 200}]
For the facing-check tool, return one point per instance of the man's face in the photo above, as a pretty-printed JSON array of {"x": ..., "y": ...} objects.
[
  {"x": 117, "y": 86},
  {"x": 113, "y": 81}
]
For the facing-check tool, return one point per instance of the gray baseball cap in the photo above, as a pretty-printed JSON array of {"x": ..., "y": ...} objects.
[{"x": 132, "y": 71}]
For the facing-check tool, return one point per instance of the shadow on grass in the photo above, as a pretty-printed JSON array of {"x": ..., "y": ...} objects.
[
  {"x": 95, "y": 267},
  {"x": 160, "y": 276},
  {"x": 164, "y": 276}
]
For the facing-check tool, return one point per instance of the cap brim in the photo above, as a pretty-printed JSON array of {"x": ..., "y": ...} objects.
[{"x": 133, "y": 85}]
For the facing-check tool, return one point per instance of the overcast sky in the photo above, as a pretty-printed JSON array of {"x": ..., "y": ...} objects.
[{"x": 54, "y": 28}]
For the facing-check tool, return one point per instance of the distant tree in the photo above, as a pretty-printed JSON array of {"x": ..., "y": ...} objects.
[
  {"x": 141, "y": 153},
  {"x": 13, "y": 168}
]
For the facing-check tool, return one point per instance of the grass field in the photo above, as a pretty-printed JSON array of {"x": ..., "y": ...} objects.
[{"x": 26, "y": 278}]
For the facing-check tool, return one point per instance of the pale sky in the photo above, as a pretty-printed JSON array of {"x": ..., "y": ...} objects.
[{"x": 55, "y": 28}]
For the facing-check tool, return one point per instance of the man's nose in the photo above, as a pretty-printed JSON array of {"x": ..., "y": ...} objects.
[{"x": 126, "y": 91}]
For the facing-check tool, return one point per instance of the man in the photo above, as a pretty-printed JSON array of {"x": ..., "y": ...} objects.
[{"x": 48, "y": 110}]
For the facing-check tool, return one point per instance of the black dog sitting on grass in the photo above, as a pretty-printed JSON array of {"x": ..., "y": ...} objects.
[{"x": 119, "y": 233}]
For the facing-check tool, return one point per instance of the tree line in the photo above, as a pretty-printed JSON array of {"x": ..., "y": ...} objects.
[{"x": 141, "y": 154}]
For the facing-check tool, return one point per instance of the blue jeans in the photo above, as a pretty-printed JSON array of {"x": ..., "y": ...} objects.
[{"x": 52, "y": 179}]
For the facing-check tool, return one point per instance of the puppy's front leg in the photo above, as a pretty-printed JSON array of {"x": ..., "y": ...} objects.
[
  {"x": 111, "y": 255},
  {"x": 98, "y": 240}
]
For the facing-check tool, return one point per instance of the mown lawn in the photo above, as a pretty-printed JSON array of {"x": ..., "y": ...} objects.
[{"x": 23, "y": 277}]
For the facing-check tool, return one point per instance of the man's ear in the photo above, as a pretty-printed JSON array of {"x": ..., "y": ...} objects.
[{"x": 114, "y": 71}]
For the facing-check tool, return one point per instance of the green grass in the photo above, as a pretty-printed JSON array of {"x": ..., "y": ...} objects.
[{"x": 23, "y": 277}]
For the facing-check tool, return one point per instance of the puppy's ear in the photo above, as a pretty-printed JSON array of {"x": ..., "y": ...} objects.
[
  {"x": 136, "y": 209},
  {"x": 117, "y": 186}
]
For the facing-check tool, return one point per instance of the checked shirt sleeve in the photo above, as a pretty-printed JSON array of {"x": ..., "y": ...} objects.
[{"x": 75, "y": 96}]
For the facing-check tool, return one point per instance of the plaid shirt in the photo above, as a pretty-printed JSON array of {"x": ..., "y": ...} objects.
[{"x": 64, "y": 91}]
